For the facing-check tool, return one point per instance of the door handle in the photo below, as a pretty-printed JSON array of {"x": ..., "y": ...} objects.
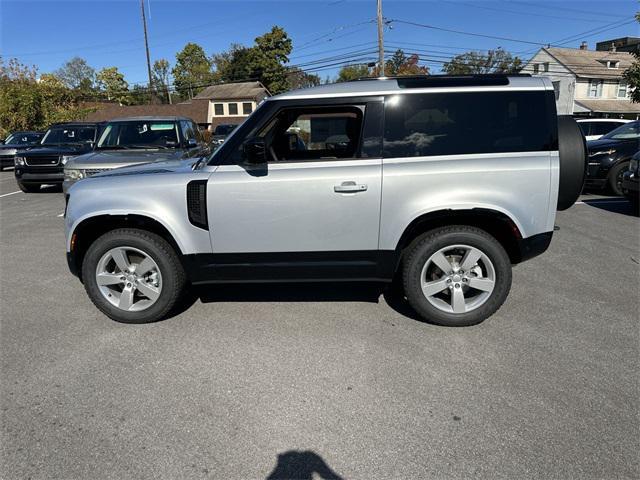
[{"x": 350, "y": 187}]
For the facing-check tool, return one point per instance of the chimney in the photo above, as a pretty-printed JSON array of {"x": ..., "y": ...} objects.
[
  {"x": 612, "y": 49},
  {"x": 583, "y": 45}
]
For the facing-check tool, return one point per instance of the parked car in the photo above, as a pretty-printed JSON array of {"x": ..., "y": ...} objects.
[
  {"x": 15, "y": 143},
  {"x": 609, "y": 157},
  {"x": 44, "y": 163},
  {"x": 631, "y": 182},
  {"x": 368, "y": 180},
  {"x": 221, "y": 132},
  {"x": 594, "y": 128},
  {"x": 131, "y": 141}
]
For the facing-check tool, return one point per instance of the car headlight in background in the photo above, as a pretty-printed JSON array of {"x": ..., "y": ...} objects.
[
  {"x": 18, "y": 161},
  {"x": 73, "y": 174},
  {"x": 66, "y": 158},
  {"x": 603, "y": 152}
]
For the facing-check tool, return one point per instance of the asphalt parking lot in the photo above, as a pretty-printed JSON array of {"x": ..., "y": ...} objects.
[{"x": 323, "y": 381}]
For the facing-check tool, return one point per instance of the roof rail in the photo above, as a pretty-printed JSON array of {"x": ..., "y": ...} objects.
[{"x": 425, "y": 81}]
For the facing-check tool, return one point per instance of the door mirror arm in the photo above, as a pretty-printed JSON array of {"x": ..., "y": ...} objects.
[{"x": 254, "y": 151}]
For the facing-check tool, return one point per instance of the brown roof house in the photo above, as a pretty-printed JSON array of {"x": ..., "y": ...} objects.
[
  {"x": 215, "y": 105},
  {"x": 587, "y": 82}
]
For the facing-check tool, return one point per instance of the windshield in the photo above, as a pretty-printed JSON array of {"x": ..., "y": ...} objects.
[
  {"x": 140, "y": 134},
  {"x": 22, "y": 138},
  {"x": 628, "y": 131},
  {"x": 60, "y": 135},
  {"x": 224, "y": 129}
]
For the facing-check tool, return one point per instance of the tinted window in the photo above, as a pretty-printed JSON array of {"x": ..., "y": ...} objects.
[
  {"x": 60, "y": 135},
  {"x": 314, "y": 133},
  {"x": 602, "y": 128},
  {"x": 247, "y": 108},
  {"x": 187, "y": 130},
  {"x": 628, "y": 131},
  {"x": 465, "y": 123},
  {"x": 139, "y": 134},
  {"x": 22, "y": 138},
  {"x": 233, "y": 109}
]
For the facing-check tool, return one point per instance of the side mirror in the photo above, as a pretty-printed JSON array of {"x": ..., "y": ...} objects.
[
  {"x": 254, "y": 151},
  {"x": 192, "y": 142}
]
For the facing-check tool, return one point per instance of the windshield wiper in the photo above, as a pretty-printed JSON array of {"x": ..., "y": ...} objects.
[
  {"x": 112, "y": 147},
  {"x": 148, "y": 147}
]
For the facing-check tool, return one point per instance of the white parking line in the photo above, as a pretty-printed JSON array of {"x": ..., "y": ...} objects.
[
  {"x": 12, "y": 193},
  {"x": 61, "y": 215}
]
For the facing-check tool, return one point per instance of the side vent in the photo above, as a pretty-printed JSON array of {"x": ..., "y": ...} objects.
[{"x": 197, "y": 203}]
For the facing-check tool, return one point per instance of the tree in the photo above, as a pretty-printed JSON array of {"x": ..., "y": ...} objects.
[
  {"x": 160, "y": 77},
  {"x": 301, "y": 79},
  {"x": 495, "y": 61},
  {"x": 192, "y": 71},
  {"x": 77, "y": 75},
  {"x": 112, "y": 82},
  {"x": 400, "y": 64},
  {"x": 632, "y": 74},
  {"x": 352, "y": 72}
]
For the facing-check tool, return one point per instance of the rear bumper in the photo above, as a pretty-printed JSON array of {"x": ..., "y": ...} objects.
[{"x": 533, "y": 246}]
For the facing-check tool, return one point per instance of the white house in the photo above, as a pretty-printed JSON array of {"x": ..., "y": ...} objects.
[
  {"x": 586, "y": 82},
  {"x": 231, "y": 102}
]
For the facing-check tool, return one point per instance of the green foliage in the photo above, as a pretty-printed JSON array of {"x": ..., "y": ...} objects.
[
  {"x": 632, "y": 74},
  {"x": 28, "y": 104},
  {"x": 495, "y": 61},
  {"x": 265, "y": 62},
  {"x": 192, "y": 71},
  {"x": 400, "y": 64},
  {"x": 301, "y": 79},
  {"x": 76, "y": 74},
  {"x": 160, "y": 77},
  {"x": 113, "y": 84},
  {"x": 352, "y": 72}
]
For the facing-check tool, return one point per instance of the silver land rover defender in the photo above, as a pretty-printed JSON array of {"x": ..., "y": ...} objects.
[{"x": 438, "y": 183}]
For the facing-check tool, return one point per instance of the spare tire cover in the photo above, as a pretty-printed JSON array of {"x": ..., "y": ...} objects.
[{"x": 572, "y": 149}]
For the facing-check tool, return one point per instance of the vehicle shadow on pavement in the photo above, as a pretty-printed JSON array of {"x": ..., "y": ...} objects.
[
  {"x": 301, "y": 465},
  {"x": 612, "y": 204}
]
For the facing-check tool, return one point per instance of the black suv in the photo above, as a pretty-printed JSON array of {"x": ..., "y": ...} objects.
[
  {"x": 610, "y": 155},
  {"x": 15, "y": 143},
  {"x": 44, "y": 164}
]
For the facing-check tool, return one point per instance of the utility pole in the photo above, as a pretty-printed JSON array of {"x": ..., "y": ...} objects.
[
  {"x": 146, "y": 46},
  {"x": 380, "y": 40}
]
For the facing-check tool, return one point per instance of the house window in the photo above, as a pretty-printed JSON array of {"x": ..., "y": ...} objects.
[
  {"x": 233, "y": 109},
  {"x": 218, "y": 109},
  {"x": 546, "y": 66},
  {"x": 556, "y": 89},
  {"x": 595, "y": 88},
  {"x": 536, "y": 68},
  {"x": 613, "y": 64},
  {"x": 247, "y": 108},
  {"x": 623, "y": 90}
]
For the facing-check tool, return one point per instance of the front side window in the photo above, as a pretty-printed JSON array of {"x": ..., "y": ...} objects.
[
  {"x": 139, "y": 134},
  {"x": 595, "y": 88},
  {"x": 314, "y": 134},
  {"x": 247, "y": 108},
  {"x": 602, "y": 128},
  {"x": 69, "y": 135},
  {"x": 466, "y": 123},
  {"x": 218, "y": 109},
  {"x": 233, "y": 109}
]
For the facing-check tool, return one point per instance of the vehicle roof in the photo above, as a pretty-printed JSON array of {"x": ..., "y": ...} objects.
[
  {"x": 19, "y": 132},
  {"x": 165, "y": 118},
  {"x": 419, "y": 84},
  {"x": 75, "y": 124},
  {"x": 621, "y": 120}
]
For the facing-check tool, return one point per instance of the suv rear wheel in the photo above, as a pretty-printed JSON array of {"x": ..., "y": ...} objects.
[
  {"x": 456, "y": 275},
  {"x": 133, "y": 276}
]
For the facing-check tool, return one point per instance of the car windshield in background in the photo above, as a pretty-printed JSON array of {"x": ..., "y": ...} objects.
[
  {"x": 22, "y": 138},
  {"x": 625, "y": 132},
  {"x": 224, "y": 129},
  {"x": 139, "y": 134},
  {"x": 65, "y": 135}
]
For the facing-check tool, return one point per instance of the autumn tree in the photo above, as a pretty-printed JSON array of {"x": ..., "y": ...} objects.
[
  {"x": 399, "y": 64},
  {"x": 632, "y": 74},
  {"x": 113, "y": 84},
  {"x": 160, "y": 77},
  {"x": 352, "y": 72},
  {"x": 76, "y": 74},
  {"x": 494, "y": 61}
]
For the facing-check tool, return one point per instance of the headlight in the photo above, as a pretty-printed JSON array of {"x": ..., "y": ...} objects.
[
  {"x": 66, "y": 158},
  {"x": 73, "y": 174},
  {"x": 19, "y": 161},
  {"x": 603, "y": 152}
]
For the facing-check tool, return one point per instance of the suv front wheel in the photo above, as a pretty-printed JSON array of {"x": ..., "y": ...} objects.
[
  {"x": 133, "y": 276},
  {"x": 456, "y": 275}
]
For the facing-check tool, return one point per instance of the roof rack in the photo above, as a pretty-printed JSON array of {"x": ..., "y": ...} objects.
[{"x": 425, "y": 81}]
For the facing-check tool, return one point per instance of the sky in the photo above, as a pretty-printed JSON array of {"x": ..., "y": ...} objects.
[{"x": 325, "y": 33}]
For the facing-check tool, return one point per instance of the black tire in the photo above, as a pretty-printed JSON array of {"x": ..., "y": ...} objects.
[
  {"x": 173, "y": 276},
  {"x": 29, "y": 187},
  {"x": 614, "y": 178},
  {"x": 572, "y": 148},
  {"x": 423, "y": 247}
]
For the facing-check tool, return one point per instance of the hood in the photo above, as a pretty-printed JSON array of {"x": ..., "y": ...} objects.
[
  {"x": 15, "y": 147},
  {"x": 57, "y": 150},
  {"x": 122, "y": 158},
  {"x": 162, "y": 166}
]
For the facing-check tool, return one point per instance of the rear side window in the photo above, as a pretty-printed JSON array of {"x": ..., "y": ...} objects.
[{"x": 466, "y": 123}]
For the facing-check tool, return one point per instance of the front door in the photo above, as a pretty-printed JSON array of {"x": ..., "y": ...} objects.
[{"x": 317, "y": 199}]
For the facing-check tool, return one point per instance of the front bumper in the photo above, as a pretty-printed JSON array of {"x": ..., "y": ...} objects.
[
  {"x": 28, "y": 175},
  {"x": 6, "y": 160}
]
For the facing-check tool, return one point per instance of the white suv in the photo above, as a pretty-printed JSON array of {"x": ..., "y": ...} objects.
[{"x": 438, "y": 183}]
